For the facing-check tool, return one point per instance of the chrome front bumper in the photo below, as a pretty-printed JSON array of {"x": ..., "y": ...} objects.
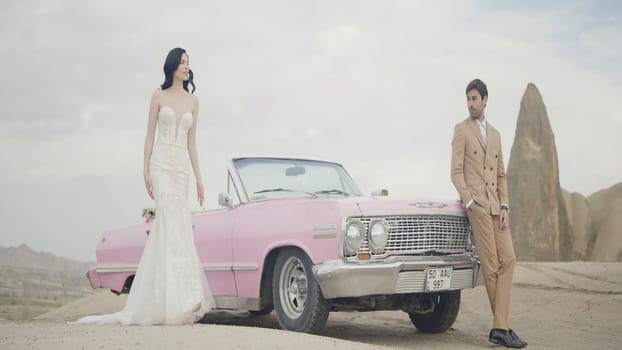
[{"x": 340, "y": 278}]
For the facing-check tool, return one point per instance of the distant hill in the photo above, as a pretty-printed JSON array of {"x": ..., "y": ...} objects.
[
  {"x": 32, "y": 283},
  {"x": 25, "y": 257}
]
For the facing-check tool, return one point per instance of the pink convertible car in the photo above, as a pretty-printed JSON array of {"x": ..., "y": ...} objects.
[{"x": 297, "y": 236}]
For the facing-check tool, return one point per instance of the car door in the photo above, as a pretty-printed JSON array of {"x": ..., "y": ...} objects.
[
  {"x": 213, "y": 238},
  {"x": 212, "y": 231}
]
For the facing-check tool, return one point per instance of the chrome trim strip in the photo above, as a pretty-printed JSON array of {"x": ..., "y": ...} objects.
[
  {"x": 119, "y": 269},
  {"x": 115, "y": 269},
  {"x": 235, "y": 303},
  {"x": 429, "y": 204},
  {"x": 407, "y": 212},
  {"x": 324, "y": 227},
  {"x": 242, "y": 267},
  {"x": 417, "y": 262},
  {"x": 325, "y": 235},
  {"x": 292, "y": 159}
]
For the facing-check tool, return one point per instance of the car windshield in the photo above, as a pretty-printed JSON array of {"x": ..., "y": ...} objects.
[{"x": 278, "y": 178}]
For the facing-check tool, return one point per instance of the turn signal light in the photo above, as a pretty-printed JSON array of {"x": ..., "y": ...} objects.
[{"x": 363, "y": 256}]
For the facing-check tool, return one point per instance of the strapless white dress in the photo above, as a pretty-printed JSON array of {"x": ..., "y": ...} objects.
[{"x": 170, "y": 286}]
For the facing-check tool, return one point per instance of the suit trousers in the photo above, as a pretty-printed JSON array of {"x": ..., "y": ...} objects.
[{"x": 497, "y": 258}]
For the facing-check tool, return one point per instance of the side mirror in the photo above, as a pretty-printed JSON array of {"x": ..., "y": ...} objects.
[
  {"x": 383, "y": 192},
  {"x": 225, "y": 200}
]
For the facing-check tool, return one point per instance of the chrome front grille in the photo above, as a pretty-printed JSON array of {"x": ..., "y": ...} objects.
[{"x": 424, "y": 233}]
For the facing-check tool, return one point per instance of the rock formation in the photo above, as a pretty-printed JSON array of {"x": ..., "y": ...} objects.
[
  {"x": 606, "y": 216},
  {"x": 596, "y": 222},
  {"x": 539, "y": 222},
  {"x": 578, "y": 208}
]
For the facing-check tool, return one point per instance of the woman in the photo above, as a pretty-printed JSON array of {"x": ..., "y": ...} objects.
[{"x": 169, "y": 286}]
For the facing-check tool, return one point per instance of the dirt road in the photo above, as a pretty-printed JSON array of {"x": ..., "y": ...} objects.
[{"x": 574, "y": 305}]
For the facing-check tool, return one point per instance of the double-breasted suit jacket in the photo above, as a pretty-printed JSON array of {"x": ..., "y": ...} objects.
[{"x": 477, "y": 169}]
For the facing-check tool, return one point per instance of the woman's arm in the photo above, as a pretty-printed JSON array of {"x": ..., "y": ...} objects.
[
  {"x": 192, "y": 151},
  {"x": 154, "y": 107}
]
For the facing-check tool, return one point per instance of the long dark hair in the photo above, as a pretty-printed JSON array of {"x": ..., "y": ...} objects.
[{"x": 173, "y": 59}]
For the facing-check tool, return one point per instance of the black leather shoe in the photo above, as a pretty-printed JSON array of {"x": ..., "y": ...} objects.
[
  {"x": 503, "y": 337},
  {"x": 516, "y": 337}
]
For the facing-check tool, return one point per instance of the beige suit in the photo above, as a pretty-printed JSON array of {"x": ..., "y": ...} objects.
[{"x": 478, "y": 173}]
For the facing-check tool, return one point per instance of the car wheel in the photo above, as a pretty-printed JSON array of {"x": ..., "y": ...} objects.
[
  {"x": 298, "y": 300},
  {"x": 446, "y": 307}
]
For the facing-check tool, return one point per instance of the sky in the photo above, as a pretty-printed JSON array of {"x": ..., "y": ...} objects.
[{"x": 374, "y": 85}]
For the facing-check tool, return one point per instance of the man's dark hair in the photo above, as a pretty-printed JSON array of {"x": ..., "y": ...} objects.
[{"x": 479, "y": 86}]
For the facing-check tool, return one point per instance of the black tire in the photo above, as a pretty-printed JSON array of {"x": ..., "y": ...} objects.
[
  {"x": 447, "y": 305},
  {"x": 263, "y": 312},
  {"x": 297, "y": 298}
]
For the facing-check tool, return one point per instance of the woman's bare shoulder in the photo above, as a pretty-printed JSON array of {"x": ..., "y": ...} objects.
[
  {"x": 157, "y": 97},
  {"x": 158, "y": 93}
]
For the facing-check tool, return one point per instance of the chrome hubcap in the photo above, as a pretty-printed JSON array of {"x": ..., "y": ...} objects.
[{"x": 293, "y": 287}]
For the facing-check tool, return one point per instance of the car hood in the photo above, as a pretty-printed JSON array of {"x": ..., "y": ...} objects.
[{"x": 370, "y": 206}]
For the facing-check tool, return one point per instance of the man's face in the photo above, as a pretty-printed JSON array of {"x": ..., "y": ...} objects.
[{"x": 476, "y": 104}]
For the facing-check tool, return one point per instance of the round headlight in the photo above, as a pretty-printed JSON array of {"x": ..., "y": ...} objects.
[
  {"x": 355, "y": 232},
  {"x": 378, "y": 234}
]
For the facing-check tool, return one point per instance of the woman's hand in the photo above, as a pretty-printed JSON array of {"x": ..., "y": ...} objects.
[
  {"x": 148, "y": 184},
  {"x": 200, "y": 194}
]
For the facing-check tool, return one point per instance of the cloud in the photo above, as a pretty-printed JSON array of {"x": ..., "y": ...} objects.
[{"x": 374, "y": 86}]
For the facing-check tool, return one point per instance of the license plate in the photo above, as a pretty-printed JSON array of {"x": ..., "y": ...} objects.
[{"x": 437, "y": 279}]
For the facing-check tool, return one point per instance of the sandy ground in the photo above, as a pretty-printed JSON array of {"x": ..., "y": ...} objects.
[{"x": 574, "y": 305}]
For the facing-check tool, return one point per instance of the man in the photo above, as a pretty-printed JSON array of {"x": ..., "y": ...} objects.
[{"x": 478, "y": 174}]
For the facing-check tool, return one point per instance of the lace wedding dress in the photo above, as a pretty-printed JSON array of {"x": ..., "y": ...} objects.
[{"x": 170, "y": 286}]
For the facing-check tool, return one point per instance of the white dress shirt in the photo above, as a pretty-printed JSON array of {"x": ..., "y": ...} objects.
[{"x": 482, "y": 128}]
